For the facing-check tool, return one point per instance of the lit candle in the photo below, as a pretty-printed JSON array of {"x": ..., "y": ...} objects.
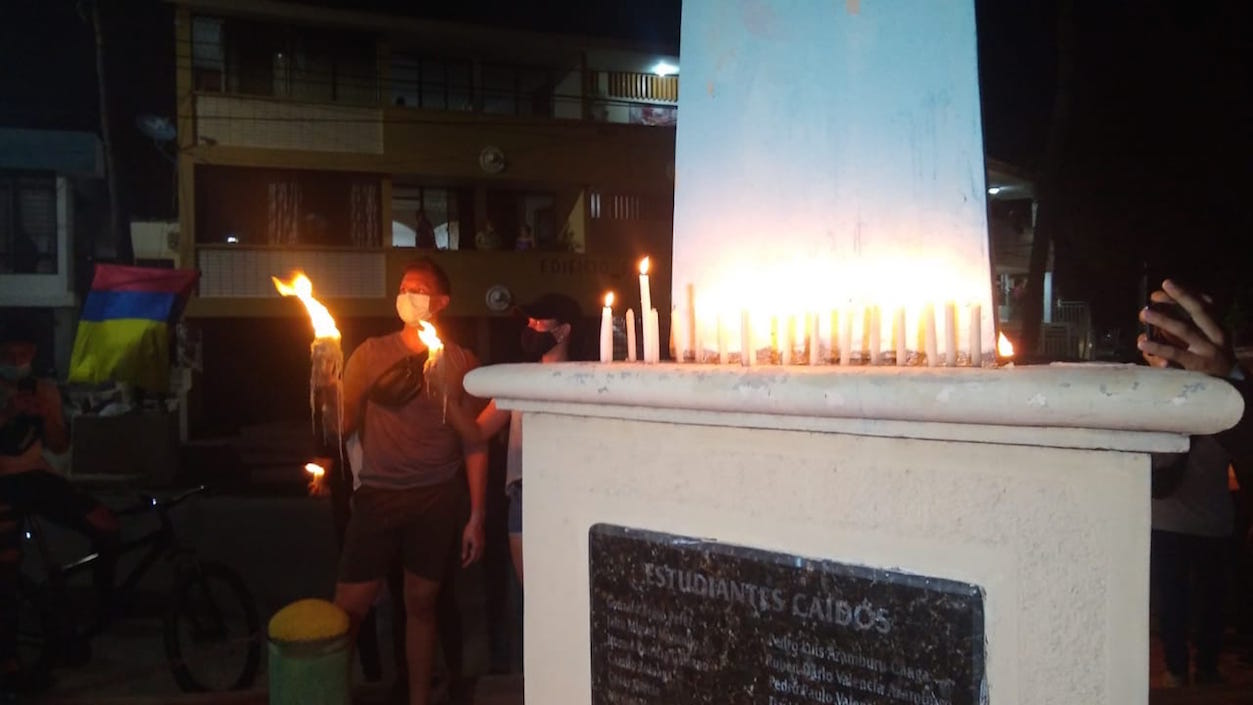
[
  {"x": 976, "y": 335},
  {"x": 677, "y": 347},
  {"x": 606, "y": 329},
  {"x": 785, "y": 338},
  {"x": 646, "y": 296},
  {"x": 630, "y": 334},
  {"x": 815, "y": 353},
  {"x": 928, "y": 334},
  {"x": 746, "y": 340},
  {"x": 722, "y": 341},
  {"x": 646, "y": 305},
  {"x": 950, "y": 334},
  {"x": 872, "y": 322},
  {"x": 690, "y": 323},
  {"x": 898, "y": 334},
  {"x": 774, "y": 339},
  {"x": 653, "y": 333},
  {"x": 697, "y": 346},
  {"x": 834, "y": 337},
  {"x": 846, "y": 337}
]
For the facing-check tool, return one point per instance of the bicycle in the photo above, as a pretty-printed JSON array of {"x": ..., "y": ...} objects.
[{"x": 209, "y": 604}]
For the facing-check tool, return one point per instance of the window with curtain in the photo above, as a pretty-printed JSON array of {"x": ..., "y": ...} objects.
[
  {"x": 28, "y": 224},
  {"x": 287, "y": 207}
]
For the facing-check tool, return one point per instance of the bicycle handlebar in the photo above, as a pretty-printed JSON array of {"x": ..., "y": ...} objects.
[{"x": 149, "y": 503}]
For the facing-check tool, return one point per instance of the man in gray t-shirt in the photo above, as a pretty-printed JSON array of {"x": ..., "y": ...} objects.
[{"x": 412, "y": 498}]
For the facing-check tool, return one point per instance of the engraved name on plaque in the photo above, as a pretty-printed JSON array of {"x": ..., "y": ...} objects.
[{"x": 680, "y": 620}]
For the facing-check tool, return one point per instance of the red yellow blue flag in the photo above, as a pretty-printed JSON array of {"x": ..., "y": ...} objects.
[{"x": 124, "y": 329}]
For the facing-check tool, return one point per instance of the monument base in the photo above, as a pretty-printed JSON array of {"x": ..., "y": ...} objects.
[{"x": 711, "y": 554}]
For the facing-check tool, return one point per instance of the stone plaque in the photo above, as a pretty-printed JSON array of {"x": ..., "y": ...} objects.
[{"x": 680, "y": 620}]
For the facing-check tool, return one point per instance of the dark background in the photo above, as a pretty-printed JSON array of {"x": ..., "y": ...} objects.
[{"x": 1151, "y": 177}]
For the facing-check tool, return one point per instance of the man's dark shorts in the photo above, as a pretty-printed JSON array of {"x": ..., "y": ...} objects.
[{"x": 422, "y": 525}]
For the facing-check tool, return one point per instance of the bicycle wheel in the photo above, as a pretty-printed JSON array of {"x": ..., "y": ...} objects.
[{"x": 212, "y": 632}]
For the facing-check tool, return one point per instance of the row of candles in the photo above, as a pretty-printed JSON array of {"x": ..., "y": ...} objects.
[
  {"x": 650, "y": 323},
  {"x": 798, "y": 339}
]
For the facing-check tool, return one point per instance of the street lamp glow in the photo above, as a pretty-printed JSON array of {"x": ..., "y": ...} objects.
[
  {"x": 994, "y": 190},
  {"x": 664, "y": 68}
]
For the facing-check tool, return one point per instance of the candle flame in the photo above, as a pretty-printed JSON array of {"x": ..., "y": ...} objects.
[
  {"x": 609, "y": 300},
  {"x": 429, "y": 337},
  {"x": 302, "y": 288},
  {"x": 644, "y": 266},
  {"x": 318, "y": 486},
  {"x": 1004, "y": 348}
]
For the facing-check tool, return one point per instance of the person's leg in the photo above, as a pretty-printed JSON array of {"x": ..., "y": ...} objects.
[
  {"x": 1169, "y": 572},
  {"x": 9, "y": 558},
  {"x": 1209, "y": 571},
  {"x": 515, "y": 528},
  {"x": 106, "y": 541},
  {"x": 448, "y": 621},
  {"x": 370, "y": 546},
  {"x": 431, "y": 548},
  {"x": 356, "y": 599},
  {"x": 396, "y": 590},
  {"x": 515, "y": 555},
  {"x": 56, "y": 499},
  {"x": 420, "y": 627}
]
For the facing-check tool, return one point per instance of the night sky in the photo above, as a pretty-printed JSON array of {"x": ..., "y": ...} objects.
[{"x": 1154, "y": 172}]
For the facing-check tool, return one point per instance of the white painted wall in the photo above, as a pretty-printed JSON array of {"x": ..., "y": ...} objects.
[
  {"x": 568, "y": 102},
  {"x": 1057, "y": 538},
  {"x": 271, "y": 123}
]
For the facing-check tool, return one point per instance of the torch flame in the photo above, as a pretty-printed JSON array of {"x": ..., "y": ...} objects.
[
  {"x": 644, "y": 266},
  {"x": 317, "y": 481},
  {"x": 429, "y": 337},
  {"x": 1004, "y": 348},
  {"x": 302, "y": 288},
  {"x": 609, "y": 300}
]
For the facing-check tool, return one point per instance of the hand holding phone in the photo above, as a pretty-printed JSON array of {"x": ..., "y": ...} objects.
[
  {"x": 1158, "y": 334},
  {"x": 1183, "y": 332}
]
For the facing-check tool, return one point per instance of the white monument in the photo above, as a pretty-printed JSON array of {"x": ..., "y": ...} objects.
[{"x": 838, "y": 533}]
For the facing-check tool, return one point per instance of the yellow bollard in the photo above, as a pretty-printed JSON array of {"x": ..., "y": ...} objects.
[{"x": 309, "y": 655}]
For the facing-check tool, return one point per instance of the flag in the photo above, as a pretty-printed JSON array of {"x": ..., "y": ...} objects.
[{"x": 124, "y": 330}]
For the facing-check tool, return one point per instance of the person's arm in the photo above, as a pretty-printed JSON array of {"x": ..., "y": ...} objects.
[
  {"x": 474, "y": 537},
  {"x": 1204, "y": 348},
  {"x": 489, "y": 421},
  {"x": 56, "y": 435},
  {"x": 354, "y": 385}
]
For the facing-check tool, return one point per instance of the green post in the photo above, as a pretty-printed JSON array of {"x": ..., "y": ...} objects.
[{"x": 309, "y": 655}]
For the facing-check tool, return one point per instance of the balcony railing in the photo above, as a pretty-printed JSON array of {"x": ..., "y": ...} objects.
[{"x": 447, "y": 86}]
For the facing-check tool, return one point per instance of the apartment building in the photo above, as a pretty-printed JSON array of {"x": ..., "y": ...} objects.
[{"x": 344, "y": 143}]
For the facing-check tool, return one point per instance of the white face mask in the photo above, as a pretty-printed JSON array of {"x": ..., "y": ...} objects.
[{"x": 413, "y": 308}]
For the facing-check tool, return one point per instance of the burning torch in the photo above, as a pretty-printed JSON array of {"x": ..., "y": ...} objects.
[{"x": 326, "y": 357}]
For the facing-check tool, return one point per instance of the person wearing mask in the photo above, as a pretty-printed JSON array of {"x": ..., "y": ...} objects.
[
  {"x": 411, "y": 502},
  {"x": 547, "y": 337},
  {"x": 31, "y": 422},
  {"x": 1192, "y": 511}
]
